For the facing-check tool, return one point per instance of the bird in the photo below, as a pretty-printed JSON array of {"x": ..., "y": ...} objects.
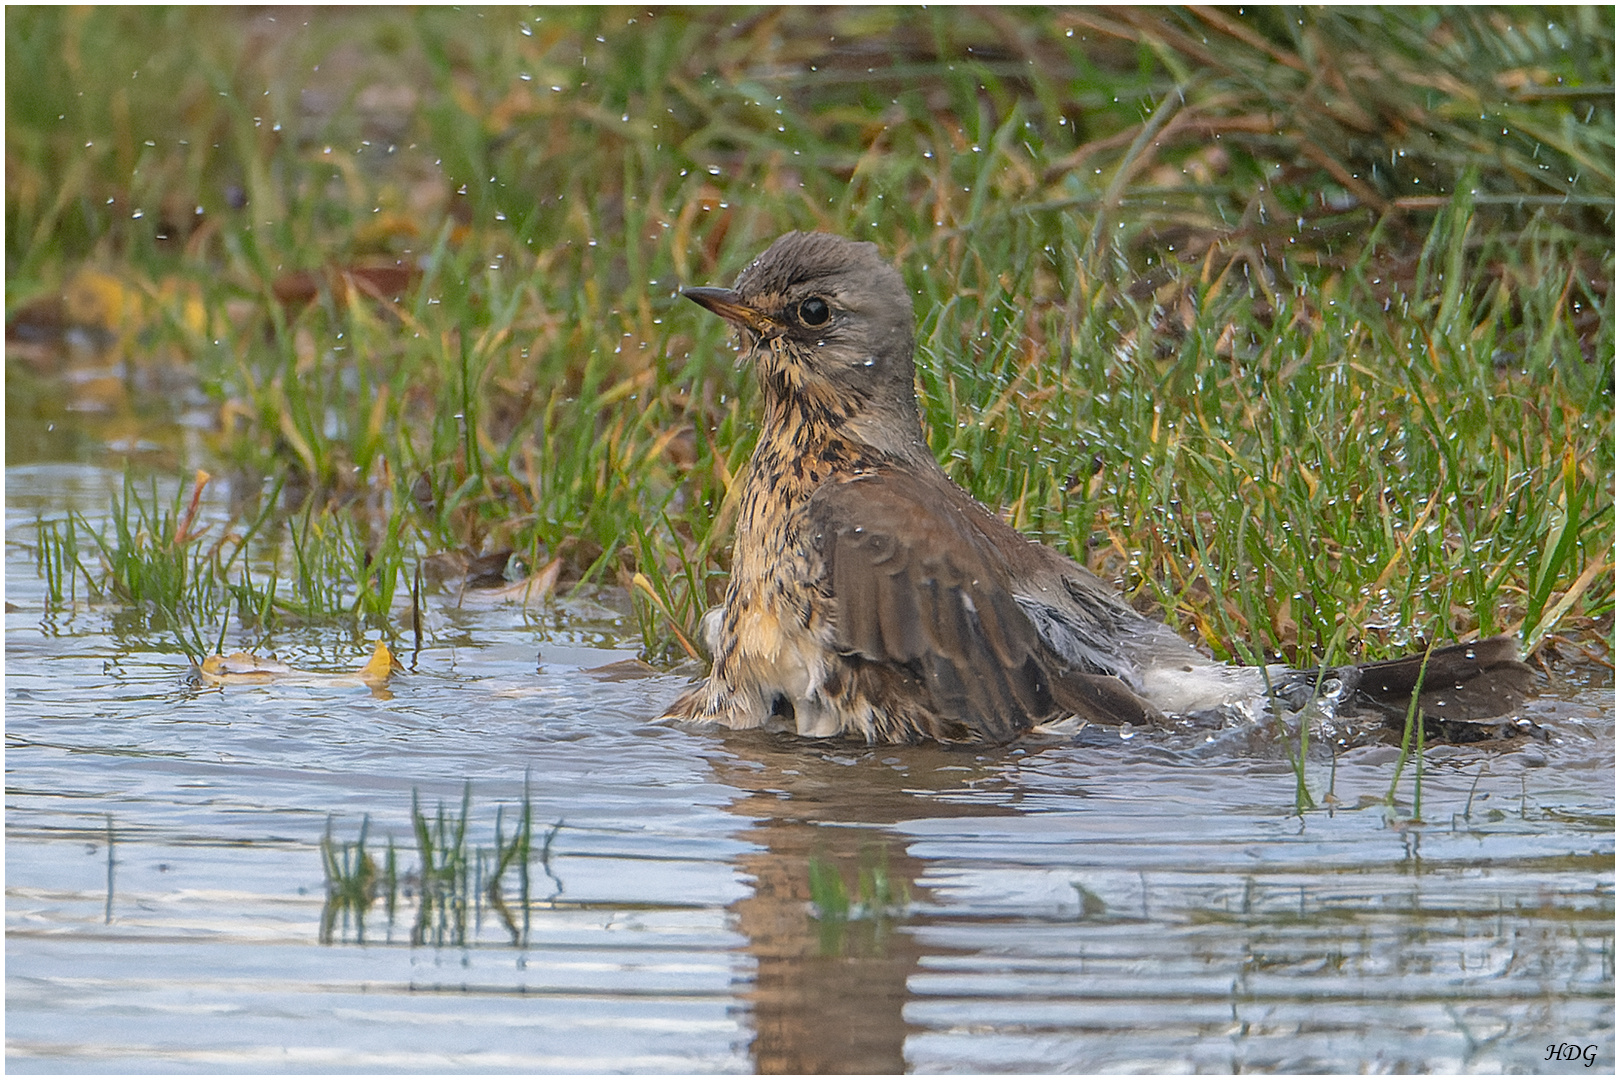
[{"x": 873, "y": 598}]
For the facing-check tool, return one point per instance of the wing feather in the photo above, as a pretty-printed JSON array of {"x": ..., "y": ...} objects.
[{"x": 917, "y": 581}]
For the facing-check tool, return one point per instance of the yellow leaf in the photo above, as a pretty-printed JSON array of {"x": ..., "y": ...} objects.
[
  {"x": 241, "y": 668},
  {"x": 382, "y": 664},
  {"x": 1311, "y": 482},
  {"x": 245, "y": 669}
]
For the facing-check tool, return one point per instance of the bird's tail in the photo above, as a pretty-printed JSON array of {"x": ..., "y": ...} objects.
[{"x": 1458, "y": 687}]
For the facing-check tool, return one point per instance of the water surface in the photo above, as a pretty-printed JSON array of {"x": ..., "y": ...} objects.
[{"x": 1097, "y": 905}]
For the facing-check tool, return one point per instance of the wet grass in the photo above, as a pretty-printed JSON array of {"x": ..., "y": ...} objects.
[
  {"x": 454, "y": 882},
  {"x": 181, "y": 577},
  {"x": 1298, "y": 325},
  {"x": 160, "y": 563},
  {"x": 352, "y": 882},
  {"x": 856, "y": 920},
  {"x": 1411, "y": 748}
]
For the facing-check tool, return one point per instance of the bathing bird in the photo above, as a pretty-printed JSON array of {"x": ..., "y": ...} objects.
[{"x": 871, "y": 597}]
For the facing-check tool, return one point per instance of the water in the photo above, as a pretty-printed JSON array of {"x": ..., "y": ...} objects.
[{"x": 1094, "y": 906}]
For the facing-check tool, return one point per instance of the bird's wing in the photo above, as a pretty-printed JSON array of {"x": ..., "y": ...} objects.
[{"x": 918, "y": 575}]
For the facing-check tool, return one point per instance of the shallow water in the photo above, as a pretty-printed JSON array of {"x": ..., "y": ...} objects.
[{"x": 1099, "y": 905}]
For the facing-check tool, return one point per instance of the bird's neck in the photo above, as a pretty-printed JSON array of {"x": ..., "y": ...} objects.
[{"x": 810, "y": 437}]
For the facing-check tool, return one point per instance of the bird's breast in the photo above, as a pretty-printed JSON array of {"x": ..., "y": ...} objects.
[{"x": 776, "y": 636}]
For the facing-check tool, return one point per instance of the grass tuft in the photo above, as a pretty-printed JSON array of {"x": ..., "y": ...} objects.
[
  {"x": 452, "y": 882},
  {"x": 1298, "y": 325},
  {"x": 869, "y": 910}
]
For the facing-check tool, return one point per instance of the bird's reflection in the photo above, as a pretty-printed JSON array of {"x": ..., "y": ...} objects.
[{"x": 829, "y": 996}]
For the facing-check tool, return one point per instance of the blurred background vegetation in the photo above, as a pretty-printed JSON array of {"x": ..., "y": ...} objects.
[{"x": 1295, "y": 322}]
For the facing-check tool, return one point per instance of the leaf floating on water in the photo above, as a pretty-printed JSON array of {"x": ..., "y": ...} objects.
[
  {"x": 481, "y": 581},
  {"x": 532, "y": 589},
  {"x": 623, "y": 671},
  {"x": 377, "y": 670},
  {"x": 245, "y": 669}
]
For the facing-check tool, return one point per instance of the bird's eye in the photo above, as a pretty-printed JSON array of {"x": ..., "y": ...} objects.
[{"x": 814, "y": 311}]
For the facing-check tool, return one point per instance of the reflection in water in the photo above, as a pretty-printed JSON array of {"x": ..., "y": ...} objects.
[
  {"x": 1099, "y": 911},
  {"x": 829, "y": 994},
  {"x": 1101, "y": 905},
  {"x": 453, "y": 882},
  {"x": 827, "y": 997},
  {"x": 111, "y": 862}
]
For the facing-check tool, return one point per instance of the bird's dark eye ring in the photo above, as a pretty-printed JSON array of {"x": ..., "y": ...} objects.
[{"x": 814, "y": 311}]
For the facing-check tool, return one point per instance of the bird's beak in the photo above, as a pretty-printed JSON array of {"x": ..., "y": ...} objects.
[{"x": 729, "y": 306}]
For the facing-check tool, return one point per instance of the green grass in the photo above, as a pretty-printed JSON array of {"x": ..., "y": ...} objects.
[
  {"x": 162, "y": 565},
  {"x": 1298, "y": 324},
  {"x": 352, "y": 881},
  {"x": 180, "y": 576},
  {"x": 856, "y": 920},
  {"x": 452, "y": 881}
]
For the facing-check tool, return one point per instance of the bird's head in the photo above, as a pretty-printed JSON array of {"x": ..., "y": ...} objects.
[{"x": 826, "y": 322}]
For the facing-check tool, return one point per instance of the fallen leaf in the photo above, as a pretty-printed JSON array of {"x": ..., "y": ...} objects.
[
  {"x": 386, "y": 282},
  {"x": 533, "y": 589},
  {"x": 623, "y": 671},
  {"x": 245, "y": 669}
]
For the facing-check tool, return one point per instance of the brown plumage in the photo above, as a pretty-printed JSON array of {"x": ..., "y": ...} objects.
[{"x": 871, "y": 596}]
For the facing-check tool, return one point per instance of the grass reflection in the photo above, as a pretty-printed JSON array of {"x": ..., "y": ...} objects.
[
  {"x": 451, "y": 884},
  {"x": 858, "y": 921}
]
